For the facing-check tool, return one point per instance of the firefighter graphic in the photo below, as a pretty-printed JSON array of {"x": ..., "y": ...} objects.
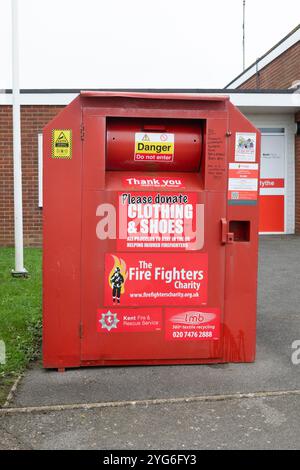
[{"x": 116, "y": 282}]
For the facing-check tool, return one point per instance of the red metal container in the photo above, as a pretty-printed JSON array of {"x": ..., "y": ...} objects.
[{"x": 150, "y": 231}]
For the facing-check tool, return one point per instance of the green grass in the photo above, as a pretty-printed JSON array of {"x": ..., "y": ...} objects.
[{"x": 20, "y": 314}]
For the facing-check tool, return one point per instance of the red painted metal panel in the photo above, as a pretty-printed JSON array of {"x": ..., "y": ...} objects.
[
  {"x": 241, "y": 264},
  {"x": 62, "y": 245}
]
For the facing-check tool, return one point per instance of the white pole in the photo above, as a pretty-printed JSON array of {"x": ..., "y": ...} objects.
[{"x": 18, "y": 209}]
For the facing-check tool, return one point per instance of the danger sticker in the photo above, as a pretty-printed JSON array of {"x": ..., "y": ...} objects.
[
  {"x": 243, "y": 181},
  {"x": 62, "y": 143},
  {"x": 118, "y": 320},
  {"x": 153, "y": 147},
  {"x": 192, "y": 324},
  {"x": 135, "y": 279},
  {"x": 154, "y": 221}
]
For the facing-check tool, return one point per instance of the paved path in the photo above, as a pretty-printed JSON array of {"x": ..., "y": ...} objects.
[{"x": 261, "y": 421}]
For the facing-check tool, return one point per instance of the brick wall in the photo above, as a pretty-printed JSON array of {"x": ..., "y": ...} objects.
[
  {"x": 33, "y": 119},
  {"x": 278, "y": 74}
]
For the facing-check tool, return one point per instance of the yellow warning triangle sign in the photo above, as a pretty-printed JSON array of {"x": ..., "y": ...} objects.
[{"x": 62, "y": 138}]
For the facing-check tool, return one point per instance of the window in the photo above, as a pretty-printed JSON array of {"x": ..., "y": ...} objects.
[{"x": 272, "y": 130}]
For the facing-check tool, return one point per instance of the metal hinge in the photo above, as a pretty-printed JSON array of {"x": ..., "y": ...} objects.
[
  {"x": 82, "y": 131},
  {"x": 80, "y": 330}
]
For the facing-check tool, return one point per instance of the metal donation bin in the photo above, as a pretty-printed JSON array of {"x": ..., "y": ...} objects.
[{"x": 150, "y": 231}]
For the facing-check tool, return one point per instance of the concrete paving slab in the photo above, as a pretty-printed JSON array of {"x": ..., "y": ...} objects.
[
  {"x": 254, "y": 423},
  {"x": 278, "y": 327}
]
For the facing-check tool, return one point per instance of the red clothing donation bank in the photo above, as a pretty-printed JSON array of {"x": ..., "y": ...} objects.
[{"x": 150, "y": 231}]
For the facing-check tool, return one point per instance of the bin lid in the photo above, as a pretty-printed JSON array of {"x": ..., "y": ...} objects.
[{"x": 146, "y": 95}]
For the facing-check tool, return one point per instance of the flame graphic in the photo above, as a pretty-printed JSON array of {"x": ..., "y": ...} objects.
[{"x": 118, "y": 263}]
